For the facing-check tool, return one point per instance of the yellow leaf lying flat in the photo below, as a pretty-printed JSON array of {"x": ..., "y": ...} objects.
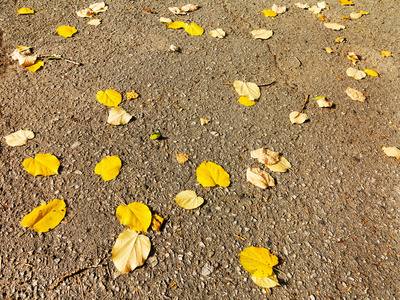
[
  {"x": 25, "y": 11},
  {"x": 108, "y": 168},
  {"x": 188, "y": 200},
  {"x": 194, "y": 29},
  {"x": 36, "y": 66},
  {"x": 244, "y": 100},
  {"x": 136, "y": 215},
  {"x": 130, "y": 251},
  {"x": 132, "y": 95},
  {"x": 386, "y": 53},
  {"x": 249, "y": 89},
  {"x": 109, "y": 97},
  {"x": 321, "y": 17},
  {"x": 19, "y": 138},
  {"x": 392, "y": 151},
  {"x": 211, "y": 174},
  {"x": 371, "y": 72},
  {"x": 42, "y": 164},
  {"x": 177, "y": 25},
  {"x": 281, "y": 166},
  {"x": 182, "y": 157},
  {"x": 45, "y": 217},
  {"x": 66, "y": 31},
  {"x": 266, "y": 282},
  {"x": 329, "y": 49},
  {"x": 258, "y": 261},
  {"x": 346, "y": 2},
  {"x": 269, "y": 13},
  {"x": 156, "y": 222}
]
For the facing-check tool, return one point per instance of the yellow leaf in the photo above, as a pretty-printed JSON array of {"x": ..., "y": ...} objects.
[
  {"x": 45, "y": 217},
  {"x": 118, "y": 116},
  {"x": 249, "y": 89},
  {"x": 392, "y": 151},
  {"x": 19, "y": 138},
  {"x": 386, "y": 53},
  {"x": 136, "y": 215},
  {"x": 36, "y": 66},
  {"x": 132, "y": 95},
  {"x": 25, "y": 11},
  {"x": 42, "y": 164},
  {"x": 194, "y": 29},
  {"x": 177, "y": 25},
  {"x": 329, "y": 49},
  {"x": 211, "y": 174},
  {"x": 244, "y": 100},
  {"x": 321, "y": 17},
  {"x": 258, "y": 261},
  {"x": 266, "y": 282},
  {"x": 346, "y": 2},
  {"x": 109, "y": 97},
  {"x": 340, "y": 40},
  {"x": 156, "y": 222},
  {"x": 188, "y": 200},
  {"x": 269, "y": 13},
  {"x": 280, "y": 166},
  {"x": 364, "y": 12},
  {"x": 204, "y": 121},
  {"x": 130, "y": 251},
  {"x": 371, "y": 72},
  {"x": 108, "y": 168},
  {"x": 66, "y": 31}
]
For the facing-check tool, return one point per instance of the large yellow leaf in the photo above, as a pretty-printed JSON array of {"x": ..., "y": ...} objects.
[
  {"x": 25, "y": 11},
  {"x": 249, "y": 89},
  {"x": 136, "y": 215},
  {"x": 177, "y": 25},
  {"x": 108, "y": 168},
  {"x": 281, "y": 166},
  {"x": 130, "y": 251},
  {"x": 266, "y": 282},
  {"x": 36, "y": 66},
  {"x": 46, "y": 216},
  {"x": 42, "y": 164},
  {"x": 66, "y": 31},
  {"x": 109, "y": 97},
  {"x": 19, "y": 138},
  {"x": 194, "y": 29},
  {"x": 258, "y": 261},
  {"x": 244, "y": 100},
  {"x": 188, "y": 200},
  {"x": 211, "y": 174}
]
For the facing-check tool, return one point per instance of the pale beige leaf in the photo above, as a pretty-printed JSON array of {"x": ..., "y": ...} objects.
[
  {"x": 334, "y": 26},
  {"x": 315, "y": 9},
  {"x": 263, "y": 34},
  {"x": 355, "y": 95},
  {"x": 130, "y": 251},
  {"x": 265, "y": 156},
  {"x": 98, "y": 7},
  {"x": 182, "y": 157},
  {"x": 218, "y": 33},
  {"x": 266, "y": 282},
  {"x": 260, "y": 178},
  {"x": 188, "y": 200},
  {"x": 355, "y": 16},
  {"x": 301, "y": 5},
  {"x": 173, "y": 48},
  {"x": 23, "y": 57},
  {"x": 356, "y": 74},
  {"x": 165, "y": 20},
  {"x": 281, "y": 166},
  {"x": 329, "y": 49},
  {"x": 118, "y": 116},
  {"x": 297, "y": 118},
  {"x": 278, "y": 9},
  {"x": 189, "y": 7},
  {"x": 204, "y": 121},
  {"x": 85, "y": 13},
  {"x": 392, "y": 151},
  {"x": 177, "y": 10},
  {"x": 94, "y": 22},
  {"x": 19, "y": 138},
  {"x": 322, "y": 5},
  {"x": 249, "y": 89},
  {"x": 323, "y": 103}
]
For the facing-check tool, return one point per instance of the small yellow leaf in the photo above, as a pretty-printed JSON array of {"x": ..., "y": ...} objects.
[
  {"x": 259, "y": 178},
  {"x": 42, "y": 164},
  {"x": 177, "y": 25},
  {"x": 346, "y": 2},
  {"x": 188, "y": 200},
  {"x": 204, "y": 121},
  {"x": 321, "y": 17},
  {"x": 130, "y": 251},
  {"x": 386, "y": 53},
  {"x": 36, "y": 66},
  {"x": 108, "y": 168},
  {"x": 329, "y": 49},
  {"x": 334, "y": 26},
  {"x": 211, "y": 174},
  {"x": 19, "y": 138},
  {"x": 194, "y": 29},
  {"x": 392, "y": 151},
  {"x": 371, "y": 72},
  {"x": 356, "y": 74},
  {"x": 118, "y": 116},
  {"x": 340, "y": 40},
  {"x": 66, "y": 31},
  {"x": 249, "y": 89},
  {"x": 182, "y": 157},
  {"x": 244, "y": 100},
  {"x": 132, "y": 95},
  {"x": 258, "y": 261},
  {"x": 266, "y": 282},
  {"x": 109, "y": 97},
  {"x": 297, "y": 118},
  {"x": 282, "y": 166},
  {"x": 269, "y": 13},
  {"x": 156, "y": 222},
  {"x": 262, "y": 34},
  {"x": 25, "y": 11},
  {"x": 45, "y": 217},
  {"x": 136, "y": 215},
  {"x": 364, "y": 12}
]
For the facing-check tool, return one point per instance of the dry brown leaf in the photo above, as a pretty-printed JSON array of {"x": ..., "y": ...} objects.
[
  {"x": 265, "y": 156},
  {"x": 297, "y": 118},
  {"x": 334, "y": 26},
  {"x": 392, "y": 151},
  {"x": 156, "y": 222},
  {"x": 323, "y": 103},
  {"x": 355, "y": 95},
  {"x": 181, "y": 158},
  {"x": 260, "y": 178},
  {"x": 204, "y": 121},
  {"x": 282, "y": 166}
]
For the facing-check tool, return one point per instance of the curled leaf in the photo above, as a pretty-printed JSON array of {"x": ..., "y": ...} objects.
[
  {"x": 282, "y": 166},
  {"x": 329, "y": 49},
  {"x": 188, "y": 200},
  {"x": 386, "y": 53},
  {"x": 109, "y": 167},
  {"x": 25, "y": 11},
  {"x": 297, "y": 118},
  {"x": 136, "y": 215},
  {"x": 258, "y": 261},
  {"x": 42, "y": 164},
  {"x": 194, "y": 29},
  {"x": 392, "y": 151},
  {"x": 263, "y": 34},
  {"x": 19, "y": 138},
  {"x": 156, "y": 222},
  {"x": 66, "y": 31},
  {"x": 22, "y": 54},
  {"x": 355, "y": 95},
  {"x": 356, "y": 74},
  {"x": 98, "y": 7},
  {"x": 118, "y": 116},
  {"x": 211, "y": 174},
  {"x": 249, "y": 89},
  {"x": 265, "y": 156},
  {"x": 371, "y": 72},
  {"x": 109, "y": 97},
  {"x": 259, "y": 178},
  {"x": 266, "y": 282}
]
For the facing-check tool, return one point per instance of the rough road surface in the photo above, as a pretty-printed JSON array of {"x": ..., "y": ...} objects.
[{"x": 333, "y": 219}]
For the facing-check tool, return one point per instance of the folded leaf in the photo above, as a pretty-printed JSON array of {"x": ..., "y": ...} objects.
[
  {"x": 280, "y": 166},
  {"x": 19, "y": 138},
  {"x": 177, "y": 25},
  {"x": 371, "y": 72},
  {"x": 265, "y": 156},
  {"x": 42, "y": 164},
  {"x": 211, "y": 174},
  {"x": 156, "y": 222},
  {"x": 118, "y": 116},
  {"x": 258, "y": 261},
  {"x": 356, "y": 74},
  {"x": 109, "y": 167},
  {"x": 259, "y": 178},
  {"x": 188, "y": 200},
  {"x": 266, "y": 282}
]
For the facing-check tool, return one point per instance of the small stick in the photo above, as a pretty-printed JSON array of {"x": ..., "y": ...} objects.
[
  {"x": 227, "y": 83},
  {"x": 73, "y": 62},
  {"x": 304, "y": 105},
  {"x": 267, "y": 84}
]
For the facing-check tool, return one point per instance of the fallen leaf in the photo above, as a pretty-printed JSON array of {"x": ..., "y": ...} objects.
[
  {"x": 386, "y": 53},
  {"x": 355, "y": 15},
  {"x": 269, "y": 13},
  {"x": 194, "y": 29},
  {"x": 204, "y": 121},
  {"x": 321, "y": 17},
  {"x": 94, "y": 22},
  {"x": 132, "y": 95},
  {"x": 22, "y": 49},
  {"x": 329, "y": 49},
  {"x": 297, "y": 118},
  {"x": 218, "y": 33},
  {"x": 356, "y": 74},
  {"x": 109, "y": 98},
  {"x": 136, "y": 215},
  {"x": 130, "y": 251},
  {"x": 340, "y": 40},
  {"x": 392, "y": 151},
  {"x": 282, "y": 166},
  {"x": 42, "y": 164},
  {"x": 301, "y": 5},
  {"x": 165, "y": 20},
  {"x": 258, "y": 261},
  {"x": 118, "y": 116},
  {"x": 188, "y": 200},
  {"x": 19, "y": 138},
  {"x": 211, "y": 174},
  {"x": 364, "y": 12},
  {"x": 346, "y": 18},
  {"x": 278, "y": 9},
  {"x": 244, "y": 100},
  {"x": 346, "y": 2},
  {"x": 22, "y": 54},
  {"x": 322, "y": 5},
  {"x": 46, "y": 216},
  {"x": 36, "y": 66},
  {"x": 189, "y": 7},
  {"x": 182, "y": 157},
  {"x": 25, "y": 11},
  {"x": 155, "y": 135},
  {"x": 355, "y": 95},
  {"x": 315, "y": 9},
  {"x": 266, "y": 282},
  {"x": 353, "y": 57},
  {"x": 85, "y": 13},
  {"x": 98, "y": 7},
  {"x": 156, "y": 222},
  {"x": 259, "y": 178},
  {"x": 334, "y": 26},
  {"x": 176, "y": 10},
  {"x": 265, "y": 156},
  {"x": 249, "y": 89},
  {"x": 323, "y": 103},
  {"x": 174, "y": 48},
  {"x": 371, "y": 72},
  {"x": 177, "y": 25},
  {"x": 263, "y": 34},
  {"x": 109, "y": 167},
  {"x": 66, "y": 31}
]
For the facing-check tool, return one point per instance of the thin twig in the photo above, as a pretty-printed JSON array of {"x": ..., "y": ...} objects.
[
  {"x": 73, "y": 62},
  {"x": 267, "y": 84},
  {"x": 304, "y": 105},
  {"x": 227, "y": 83}
]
